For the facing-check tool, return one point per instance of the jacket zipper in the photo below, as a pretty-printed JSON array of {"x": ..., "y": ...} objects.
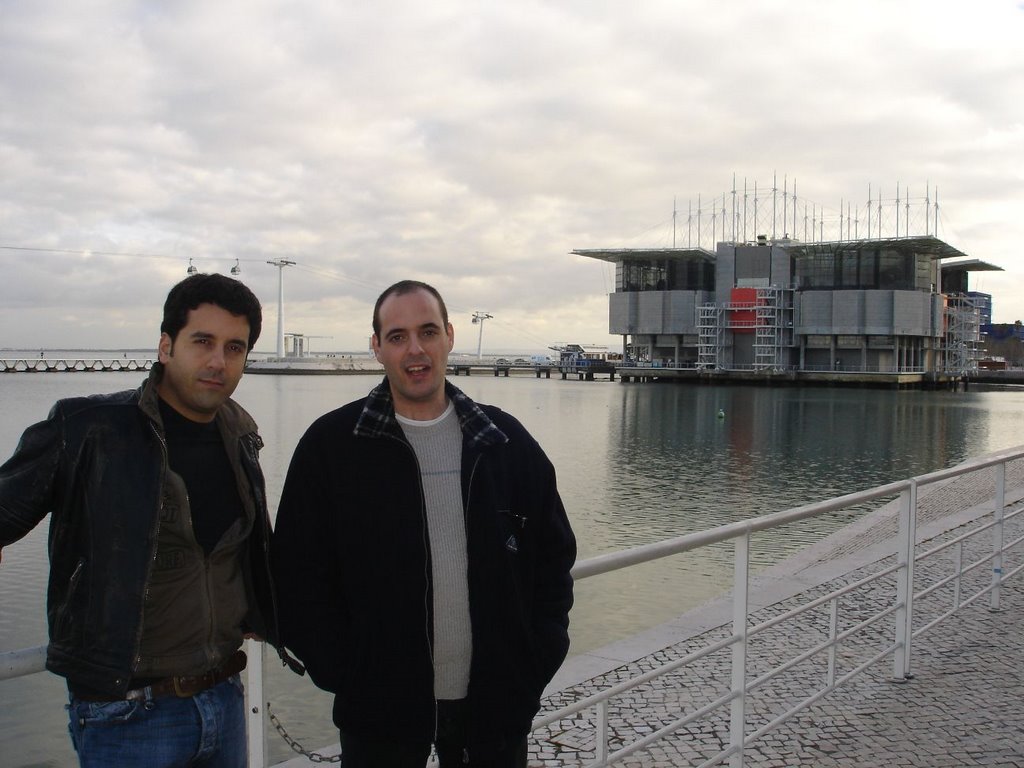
[
  {"x": 428, "y": 577},
  {"x": 154, "y": 534}
]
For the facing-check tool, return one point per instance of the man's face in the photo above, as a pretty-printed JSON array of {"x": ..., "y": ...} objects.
[
  {"x": 204, "y": 364},
  {"x": 413, "y": 347}
]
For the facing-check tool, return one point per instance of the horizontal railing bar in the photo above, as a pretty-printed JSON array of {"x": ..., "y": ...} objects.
[
  {"x": 938, "y": 620},
  {"x": 820, "y": 601},
  {"x": 963, "y": 537},
  {"x": 25, "y": 661},
  {"x": 822, "y": 646},
  {"x": 970, "y": 568},
  {"x": 633, "y": 682},
  {"x": 964, "y": 570},
  {"x": 755, "y": 735},
  {"x": 1013, "y": 543},
  {"x": 644, "y": 553},
  {"x": 1009, "y": 575},
  {"x": 971, "y": 600}
]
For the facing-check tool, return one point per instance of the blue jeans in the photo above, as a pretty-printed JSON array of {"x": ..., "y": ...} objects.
[{"x": 207, "y": 729}]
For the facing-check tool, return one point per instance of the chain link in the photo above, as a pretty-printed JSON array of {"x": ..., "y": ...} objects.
[{"x": 313, "y": 757}]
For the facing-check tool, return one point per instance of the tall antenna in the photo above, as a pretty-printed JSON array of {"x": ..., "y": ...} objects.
[
  {"x": 869, "y": 210},
  {"x": 927, "y": 208},
  {"x": 734, "y": 208},
  {"x": 897, "y": 209},
  {"x": 673, "y": 221},
  {"x": 698, "y": 221},
  {"x": 785, "y": 191},
  {"x": 689, "y": 222},
  {"x": 755, "y": 207},
  {"x": 907, "y": 217},
  {"x": 794, "y": 207},
  {"x": 744, "y": 209},
  {"x": 775, "y": 189}
]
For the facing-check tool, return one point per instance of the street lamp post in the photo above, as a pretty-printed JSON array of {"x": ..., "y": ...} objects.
[
  {"x": 479, "y": 317},
  {"x": 280, "y": 264}
]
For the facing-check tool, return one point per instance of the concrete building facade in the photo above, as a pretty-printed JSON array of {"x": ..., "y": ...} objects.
[{"x": 784, "y": 306}]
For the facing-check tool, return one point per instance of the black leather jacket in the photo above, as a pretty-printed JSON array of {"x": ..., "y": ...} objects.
[{"x": 97, "y": 464}]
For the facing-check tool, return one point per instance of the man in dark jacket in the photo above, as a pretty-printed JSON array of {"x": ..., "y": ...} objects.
[
  {"x": 159, "y": 542},
  {"x": 422, "y": 556}
]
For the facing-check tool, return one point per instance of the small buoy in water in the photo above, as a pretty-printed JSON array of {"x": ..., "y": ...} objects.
[{"x": 721, "y": 413}]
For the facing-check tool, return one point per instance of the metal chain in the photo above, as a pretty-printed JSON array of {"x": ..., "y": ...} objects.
[{"x": 314, "y": 757}]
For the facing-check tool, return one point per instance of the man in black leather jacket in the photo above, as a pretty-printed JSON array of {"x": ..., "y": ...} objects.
[
  {"x": 159, "y": 542},
  {"x": 422, "y": 555}
]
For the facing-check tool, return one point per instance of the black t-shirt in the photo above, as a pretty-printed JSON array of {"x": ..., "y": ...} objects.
[{"x": 195, "y": 452}]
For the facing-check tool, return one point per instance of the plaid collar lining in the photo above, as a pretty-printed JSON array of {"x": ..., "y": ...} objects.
[{"x": 378, "y": 417}]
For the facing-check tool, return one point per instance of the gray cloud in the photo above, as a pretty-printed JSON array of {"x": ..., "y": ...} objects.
[{"x": 471, "y": 145}]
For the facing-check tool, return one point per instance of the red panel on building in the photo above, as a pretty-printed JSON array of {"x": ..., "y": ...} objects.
[{"x": 742, "y": 320}]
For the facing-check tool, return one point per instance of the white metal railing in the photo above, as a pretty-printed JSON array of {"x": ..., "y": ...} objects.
[
  {"x": 901, "y": 607},
  {"x": 898, "y": 607}
]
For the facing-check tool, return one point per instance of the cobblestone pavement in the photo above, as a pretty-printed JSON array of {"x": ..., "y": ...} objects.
[{"x": 963, "y": 706}]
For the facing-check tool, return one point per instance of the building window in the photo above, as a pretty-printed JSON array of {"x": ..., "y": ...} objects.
[
  {"x": 664, "y": 275},
  {"x": 865, "y": 269}
]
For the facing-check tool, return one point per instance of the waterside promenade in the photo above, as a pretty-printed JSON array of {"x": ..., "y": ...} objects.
[{"x": 963, "y": 705}]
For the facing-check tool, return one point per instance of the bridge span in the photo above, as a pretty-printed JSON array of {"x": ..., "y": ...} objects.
[{"x": 73, "y": 365}]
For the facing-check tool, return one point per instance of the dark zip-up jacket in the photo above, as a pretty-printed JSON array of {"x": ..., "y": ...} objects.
[
  {"x": 98, "y": 464},
  {"x": 351, "y": 562}
]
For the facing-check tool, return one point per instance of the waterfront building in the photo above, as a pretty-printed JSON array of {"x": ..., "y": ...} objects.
[
  {"x": 983, "y": 301},
  {"x": 897, "y": 306}
]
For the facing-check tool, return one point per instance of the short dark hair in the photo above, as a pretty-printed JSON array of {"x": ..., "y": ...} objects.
[
  {"x": 224, "y": 292},
  {"x": 401, "y": 288}
]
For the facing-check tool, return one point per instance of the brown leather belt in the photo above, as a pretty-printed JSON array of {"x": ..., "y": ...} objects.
[{"x": 184, "y": 686}]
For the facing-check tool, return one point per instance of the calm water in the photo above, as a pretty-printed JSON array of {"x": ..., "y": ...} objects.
[{"x": 636, "y": 463}]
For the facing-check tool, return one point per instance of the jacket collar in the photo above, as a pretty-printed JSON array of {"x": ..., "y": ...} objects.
[
  {"x": 377, "y": 418},
  {"x": 232, "y": 419}
]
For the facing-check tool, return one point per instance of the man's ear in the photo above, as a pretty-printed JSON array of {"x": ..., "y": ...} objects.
[
  {"x": 165, "y": 348},
  {"x": 375, "y": 343}
]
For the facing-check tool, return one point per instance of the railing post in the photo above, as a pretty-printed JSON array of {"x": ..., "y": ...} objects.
[
  {"x": 254, "y": 715},
  {"x": 833, "y": 633},
  {"x": 958, "y": 565},
  {"x": 738, "y": 708},
  {"x": 601, "y": 748},
  {"x": 905, "y": 582},
  {"x": 997, "y": 537}
]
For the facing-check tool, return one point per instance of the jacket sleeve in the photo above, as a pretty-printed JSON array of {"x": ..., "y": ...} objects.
[
  {"x": 304, "y": 568},
  {"x": 553, "y": 587},
  {"x": 28, "y": 480}
]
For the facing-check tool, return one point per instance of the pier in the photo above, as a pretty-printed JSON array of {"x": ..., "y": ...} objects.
[
  {"x": 582, "y": 372},
  {"x": 73, "y": 365}
]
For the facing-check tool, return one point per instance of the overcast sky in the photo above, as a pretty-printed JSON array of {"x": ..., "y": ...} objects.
[{"x": 474, "y": 145}]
